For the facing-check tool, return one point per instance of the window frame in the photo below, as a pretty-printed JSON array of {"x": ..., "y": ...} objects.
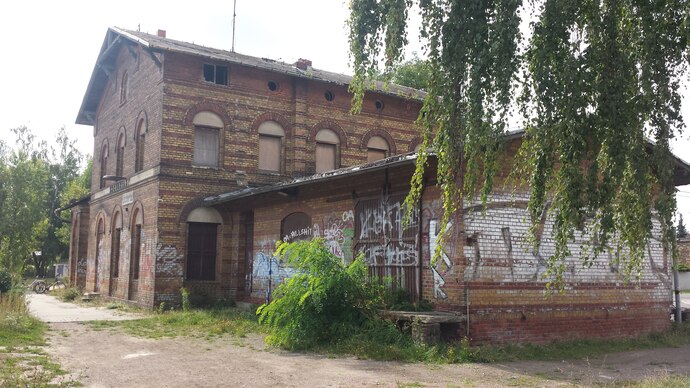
[
  {"x": 271, "y": 130},
  {"x": 199, "y": 129},
  {"x": 201, "y": 262},
  {"x": 140, "y": 143},
  {"x": 214, "y": 68}
]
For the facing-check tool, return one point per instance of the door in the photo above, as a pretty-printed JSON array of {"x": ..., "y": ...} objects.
[{"x": 390, "y": 248}]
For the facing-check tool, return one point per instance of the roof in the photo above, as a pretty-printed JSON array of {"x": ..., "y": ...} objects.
[
  {"x": 681, "y": 174},
  {"x": 393, "y": 161},
  {"x": 116, "y": 37}
]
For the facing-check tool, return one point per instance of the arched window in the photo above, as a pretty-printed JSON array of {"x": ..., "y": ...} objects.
[
  {"x": 202, "y": 239},
  {"x": 115, "y": 245},
  {"x": 377, "y": 148},
  {"x": 271, "y": 135},
  {"x": 120, "y": 155},
  {"x": 139, "y": 140},
  {"x": 136, "y": 234},
  {"x": 103, "y": 168},
  {"x": 296, "y": 227},
  {"x": 327, "y": 150},
  {"x": 207, "y": 127},
  {"x": 123, "y": 88}
]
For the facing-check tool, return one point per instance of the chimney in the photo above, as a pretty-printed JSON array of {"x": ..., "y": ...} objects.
[
  {"x": 303, "y": 64},
  {"x": 161, "y": 33}
]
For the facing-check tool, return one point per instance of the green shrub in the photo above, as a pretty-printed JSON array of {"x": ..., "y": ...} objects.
[
  {"x": 682, "y": 267},
  {"x": 69, "y": 294},
  {"x": 324, "y": 301},
  {"x": 5, "y": 281}
]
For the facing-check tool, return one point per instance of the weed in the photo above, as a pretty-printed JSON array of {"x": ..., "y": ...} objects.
[
  {"x": 68, "y": 294},
  {"x": 185, "y": 299},
  {"x": 194, "y": 323}
]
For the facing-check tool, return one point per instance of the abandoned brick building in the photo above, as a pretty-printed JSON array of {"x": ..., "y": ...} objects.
[{"x": 204, "y": 158}]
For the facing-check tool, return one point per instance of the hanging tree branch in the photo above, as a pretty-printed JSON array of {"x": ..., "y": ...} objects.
[{"x": 597, "y": 77}]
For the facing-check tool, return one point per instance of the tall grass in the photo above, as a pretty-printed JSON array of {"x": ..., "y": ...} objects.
[{"x": 17, "y": 327}]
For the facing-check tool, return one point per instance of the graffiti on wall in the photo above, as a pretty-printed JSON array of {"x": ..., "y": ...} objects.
[
  {"x": 499, "y": 249},
  {"x": 383, "y": 237},
  {"x": 338, "y": 232},
  {"x": 168, "y": 261},
  {"x": 267, "y": 270},
  {"x": 443, "y": 263}
]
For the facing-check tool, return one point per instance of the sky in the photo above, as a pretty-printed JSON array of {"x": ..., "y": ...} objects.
[{"x": 50, "y": 48}]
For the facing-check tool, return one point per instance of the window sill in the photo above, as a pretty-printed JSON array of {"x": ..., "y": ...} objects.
[{"x": 202, "y": 167}]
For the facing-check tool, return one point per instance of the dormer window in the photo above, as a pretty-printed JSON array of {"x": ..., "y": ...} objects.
[{"x": 216, "y": 74}]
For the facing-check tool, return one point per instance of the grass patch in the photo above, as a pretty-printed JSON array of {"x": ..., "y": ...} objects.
[
  {"x": 579, "y": 349},
  {"x": 665, "y": 381},
  {"x": 22, "y": 364},
  {"x": 17, "y": 327},
  {"x": 32, "y": 368},
  {"x": 193, "y": 323}
]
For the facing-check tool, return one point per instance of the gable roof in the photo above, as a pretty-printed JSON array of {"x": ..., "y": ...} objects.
[{"x": 116, "y": 37}]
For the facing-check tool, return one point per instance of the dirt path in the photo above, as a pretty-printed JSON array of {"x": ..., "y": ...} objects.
[{"x": 111, "y": 358}]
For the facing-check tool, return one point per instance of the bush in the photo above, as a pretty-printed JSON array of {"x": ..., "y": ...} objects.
[
  {"x": 682, "y": 267},
  {"x": 324, "y": 301},
  {"x": 69, "y": 294},
  {"x": 5, "y": 281}
]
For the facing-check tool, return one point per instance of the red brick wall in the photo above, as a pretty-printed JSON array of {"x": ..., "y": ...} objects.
[
  {"x": 79, "y": 244},
  {"x": 486, "y": 266},
  {"x": 114, "y": 117}
]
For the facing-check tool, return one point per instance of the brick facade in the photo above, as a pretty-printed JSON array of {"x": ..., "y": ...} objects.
[{"x": 485, "y": 269}]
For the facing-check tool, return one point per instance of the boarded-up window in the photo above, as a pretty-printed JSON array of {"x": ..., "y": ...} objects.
[
  {"x": 139, "y": 157},
  {"x": 269, "y": 153},
  {"x": 115, "y": 256},
  {"x": 207, "y": 126},
  {"x": 201, "y": 251},
  {"x": 104, "y": 165},
  {"x": 136, "y": 252},
  {"x": 327, "y": 143},
  {"x": 205, "y": 146},
  {"x": 119, "y": 166},
  {"x": 377, "y": 148},
  {"x": 123, "y": 88},
  {"x": 270, "y": 146},
  {"x": 295, "y": 227},
  {"x": 325, "y": 157}
]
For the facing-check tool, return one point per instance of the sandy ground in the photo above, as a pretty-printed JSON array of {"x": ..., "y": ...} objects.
[{"x": 111, "y": 358}]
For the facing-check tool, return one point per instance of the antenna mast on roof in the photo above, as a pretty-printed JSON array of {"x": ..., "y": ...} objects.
[{"x": 234, "y": 15}]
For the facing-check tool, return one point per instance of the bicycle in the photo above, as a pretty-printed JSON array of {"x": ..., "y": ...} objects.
[{"x": 40, "y": 286}]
